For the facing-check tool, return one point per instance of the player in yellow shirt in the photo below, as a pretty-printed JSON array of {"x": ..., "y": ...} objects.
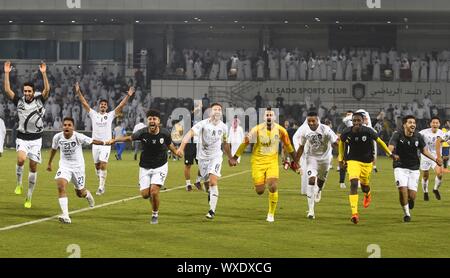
[{"x": 265, "y": 170}]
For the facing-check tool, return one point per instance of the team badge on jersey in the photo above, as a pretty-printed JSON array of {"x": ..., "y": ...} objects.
[
  {"x": 417, "y": 143},
  {"x": 161, "y": 141},
  {"x": 364, "y": 138}
]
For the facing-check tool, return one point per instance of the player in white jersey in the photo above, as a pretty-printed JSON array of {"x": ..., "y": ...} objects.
[
  {"x": 71, "y": 165},
  {"x": 212, "y": 134},
  {"x": 320, "y": 139},
  {"x": 235, "y": 136},
  {"x": 101, "y": 130},
  {"x": 30, "y": 110},
  {"x": 2, "y": 135},
  {"x": 302, "y": 164},
  {"x": 432, "y": 137}
]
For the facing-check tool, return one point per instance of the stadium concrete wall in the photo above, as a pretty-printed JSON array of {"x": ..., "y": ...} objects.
[{"x": 343, "y": 94}]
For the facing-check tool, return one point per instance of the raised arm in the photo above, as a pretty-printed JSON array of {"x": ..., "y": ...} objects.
[
  {"x": 6, "y": 84},
  {"x": 83, "y": 101},
  {"x": 46, "y": 91},
  {"x": 124, "y": 101}
]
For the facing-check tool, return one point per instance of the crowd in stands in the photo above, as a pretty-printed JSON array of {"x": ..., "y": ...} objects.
[
  {"x": 62, "y": 101},
  {"x": 349, "y": 64}
]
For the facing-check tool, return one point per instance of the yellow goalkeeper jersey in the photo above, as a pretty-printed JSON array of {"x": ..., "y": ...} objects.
[{"x": 266, "y": 143}]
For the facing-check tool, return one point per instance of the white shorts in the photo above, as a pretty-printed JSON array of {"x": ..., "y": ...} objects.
[
  {"x": 317, "y": 168},
  {"x": 210, "y": 166},
  {"x": 407, "y": 178},
  {"x": 426, "y": 164},
  {"x": 156, "y": 176},
  {"x": 32, "y": 148},
  {"x": 100, "y": 153},
  {"x": 77, "y": 177}
]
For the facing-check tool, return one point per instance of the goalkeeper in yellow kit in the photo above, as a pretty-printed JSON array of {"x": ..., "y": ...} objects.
[{"x": 265, "y": 170}]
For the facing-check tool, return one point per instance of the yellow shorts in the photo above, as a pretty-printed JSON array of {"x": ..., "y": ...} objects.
[
  {"x": 359, "y": 170},
  {"x": 263, "y": 171}
]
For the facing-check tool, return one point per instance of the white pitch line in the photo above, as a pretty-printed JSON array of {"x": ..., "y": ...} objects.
[{"x": 100, "y": 206}]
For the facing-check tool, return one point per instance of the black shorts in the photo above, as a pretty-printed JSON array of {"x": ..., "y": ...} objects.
[{"x": 190, "y": 154}]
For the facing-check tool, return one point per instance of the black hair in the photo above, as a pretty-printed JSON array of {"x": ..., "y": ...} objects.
[
  {"x": 69, "y": 119},
  {"x": 103, "y": 100},
  {"x": 406, "y": 118},
  {"x": 29, "y": 84},
  {"x": 358, "y": 114},
  {"x": 216, "y": 104},
  {"x": 312, "y": 114},
  {"x": 435, "y": 118},
  {"x": 153, "y": 113}
]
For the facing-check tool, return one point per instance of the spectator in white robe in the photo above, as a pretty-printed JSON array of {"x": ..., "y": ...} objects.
[
  {"x": 442, "y": 70},
  {"x": 235, "y": 136},
  {"x": 432, "y": 75},
  {"x": 274, "y": 65},
  {"x": 283, "y": 69},
  {"x": 198, "y": 69},
  {"x": 329, "y": 66},
  {"x": 339, "y": 71},
  {"x": 260, "y": 65},
  {"x": 323, "y": 69},
  {"x": 396, "y": 70},
  {"x": 415, "y": 70},
  {"x": 240, "y": 75},
  {"x": 292, "y": 70},
  {"x": 311, "y": 65},
  {"x": 248, "y": 69},
  {"x": 189, "y": 69},
  {"x": 223, "y": 71},
  {"x": 303, "y": 69},
  {"x": 349, "y": 71},
  {"x": 423, "y": 71},
  {"x": 376, "y": 70},
  {"x": 316, "y": 71},
  {"x": 358, "y": 70}
]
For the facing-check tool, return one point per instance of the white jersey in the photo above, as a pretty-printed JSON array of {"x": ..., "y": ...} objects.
[
  {"x": 210, "y": 138},
  {"x": 102, "y": 125},
  {"x": 430, "y": 138},
  {"x": 319, "y": 141},
  {"x": 71, "y": 152}
]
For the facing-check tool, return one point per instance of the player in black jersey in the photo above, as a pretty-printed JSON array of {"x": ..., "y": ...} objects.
[
  {"x": 30, "y": 110},
  {"x": 153, "y": 164},
  {"x": 405, "y": 145},
  {"x": 356, "y": 153}
]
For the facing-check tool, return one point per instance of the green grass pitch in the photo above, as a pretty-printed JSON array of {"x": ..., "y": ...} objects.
[{"x": 122, "y": 229}]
